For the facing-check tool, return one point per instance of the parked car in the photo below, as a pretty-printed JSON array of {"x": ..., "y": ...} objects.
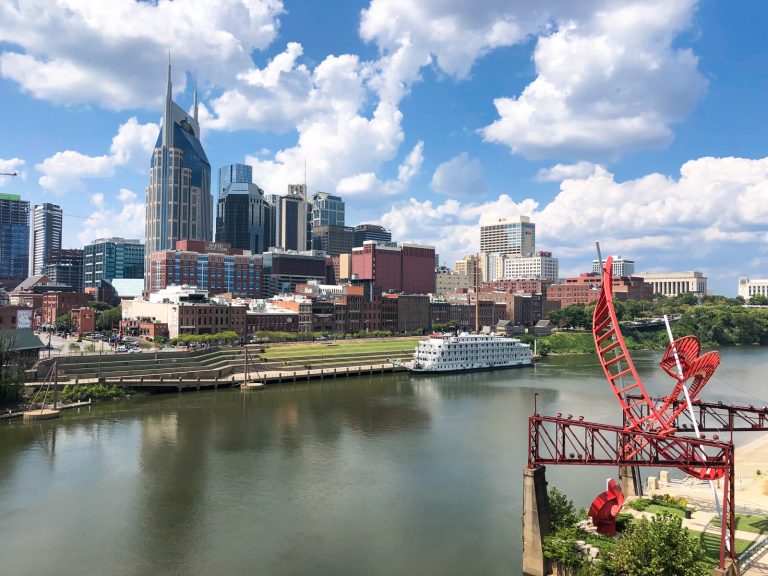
[{"x": 122, "y": 349}]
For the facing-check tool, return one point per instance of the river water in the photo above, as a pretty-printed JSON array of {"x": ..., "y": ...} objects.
[{"x": 378, "y": 475}]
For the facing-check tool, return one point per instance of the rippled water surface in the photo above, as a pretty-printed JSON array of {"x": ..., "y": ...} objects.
[{"x": 383, "y": 475}]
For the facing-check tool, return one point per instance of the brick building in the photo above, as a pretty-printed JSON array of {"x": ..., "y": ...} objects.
[
  {"x": 586, "y": 289},
  {"x": 183, "y": 310},
  {"x": 211, "y": 266},
  {"x": 301, "y": 306},
  {"x": 412, "y": 312},
  {"x": 15, "y": 317},
  {"x": 409, "y": 268},
  {"x": 56, "y": 304},
  {"x": 84, "y": 320},
  {"x": 518, "y": 286},
  {"x": 263, "y": 320}
]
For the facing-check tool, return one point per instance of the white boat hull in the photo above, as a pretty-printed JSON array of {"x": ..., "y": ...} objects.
[{"x": 469, "y": 368}]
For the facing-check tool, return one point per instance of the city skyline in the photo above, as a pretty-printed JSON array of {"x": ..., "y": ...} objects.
[{"x": 652, "y": 143}]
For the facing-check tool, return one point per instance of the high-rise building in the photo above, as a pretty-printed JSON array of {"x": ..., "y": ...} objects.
[
  {"x": 234, "y": 173},
  {"x": 373, "y": 232},
  {"x": 471, "y": 267},
  {"x": 243, "y": 214},
  {"x": 179, "y": 200},
  {"x": 293, "y": 222},
  {"x": 44, "y": 237},
  {"x": 512, "y": 236},
  {"x": 327, "y": 210},
  {"x": 66, "y": 267},
  {"x": 111, "y": 258},
  {"x": 333, "y": 240},
  {"x": 621, "y": 266},
  {"x": 492, "y": 266},
  {"x": 542, "y": 266},
  {"x": 14, "y": 238}
]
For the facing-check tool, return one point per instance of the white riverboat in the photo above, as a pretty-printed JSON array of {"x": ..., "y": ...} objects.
[{"x": 451, "y": 353}]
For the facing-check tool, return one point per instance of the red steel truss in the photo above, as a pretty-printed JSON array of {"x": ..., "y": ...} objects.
[
  {"x": 565, "y": 441},
  {"x": 719, "y": 417}
]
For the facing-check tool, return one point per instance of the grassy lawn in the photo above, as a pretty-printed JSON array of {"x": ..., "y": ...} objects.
[
  {"x": 747, "y": 523},
  {"x": 339, "y": 347},
  {"x": 711, "y": 545}
]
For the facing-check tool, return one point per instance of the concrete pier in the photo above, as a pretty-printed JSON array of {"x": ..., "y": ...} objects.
[
  {"x": 535, "y": 521},
  {"x": 627, "y": 480}
]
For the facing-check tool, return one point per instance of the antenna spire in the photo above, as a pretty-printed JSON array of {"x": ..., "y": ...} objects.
[
  {"x": 168, "y": 109},
  {"x": 169, "y": 88},
  {"x": 195, "y": 113}
]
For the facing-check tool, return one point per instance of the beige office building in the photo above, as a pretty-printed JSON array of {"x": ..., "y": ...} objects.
[
  {"x": 471, "y": 267},
  {"x": 514, "y": 236},
  {"x": 749, "y": 287},
  {"x": 447, "y": 281},
  {"x": 675, "y": 283}
]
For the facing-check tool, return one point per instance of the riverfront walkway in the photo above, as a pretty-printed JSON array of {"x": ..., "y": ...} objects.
[{"x": 227, "y": 366}]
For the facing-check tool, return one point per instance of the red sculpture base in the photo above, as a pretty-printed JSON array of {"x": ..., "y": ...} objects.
[{"x": 605, "y": 509}]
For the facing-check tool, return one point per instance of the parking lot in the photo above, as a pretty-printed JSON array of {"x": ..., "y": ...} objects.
[{"x": 68, "y": 346}]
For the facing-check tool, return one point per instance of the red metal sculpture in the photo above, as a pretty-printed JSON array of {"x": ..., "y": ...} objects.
[
  {"x": 648, "y": 436},
  {"x": 605, "y": 508},
  {"x": 640, "y": 412}
]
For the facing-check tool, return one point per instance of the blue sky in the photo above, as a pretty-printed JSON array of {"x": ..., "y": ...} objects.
[{"x": 641, "y": 123}]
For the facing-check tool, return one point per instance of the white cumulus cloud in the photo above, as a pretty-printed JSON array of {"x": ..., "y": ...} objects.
[
  {"x": 370, "y": 185},
  {"x": 12, "y": 166},
  {"x": 607, "y": 84},
  {"x": 124, "y": 218},
  {"x": 459, "y": 176},
  {"x": 560, "y": 172},
  {"x": 131, "y": 147},
  {"x": 114, "y": 53}
]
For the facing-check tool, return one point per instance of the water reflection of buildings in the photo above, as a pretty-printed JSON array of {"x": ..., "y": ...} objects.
[{"x": 173, "y": 488}]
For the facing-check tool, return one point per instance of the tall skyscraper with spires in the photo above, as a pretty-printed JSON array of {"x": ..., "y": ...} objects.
[{"x": 179, "y": 200}]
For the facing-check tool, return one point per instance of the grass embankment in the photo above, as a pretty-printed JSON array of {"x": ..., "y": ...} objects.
[
  {"x": 747, "y": 523},
  {"x": 710, "y": 542},
  {"x": 337, "y": 349},
  {"x": 583, "y": 342}
]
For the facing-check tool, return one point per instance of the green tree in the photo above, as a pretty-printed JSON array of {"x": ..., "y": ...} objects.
[
  {"x": 64, "y": 322},
  {"x": 573, "y": 316},
  {"x": 10, "y": 369},
  {"x": 109, "y": 318},
  {"x": 101, "y": 306},
  {"x": 562, "y": 513},
  {"x": 657, "y": 546},
  {"x": 759, "y": 300}
]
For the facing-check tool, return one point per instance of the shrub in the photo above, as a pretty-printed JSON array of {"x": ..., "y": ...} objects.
[
  {"x": 562, "y": 513},
  {"x": 657, "y": 546}
]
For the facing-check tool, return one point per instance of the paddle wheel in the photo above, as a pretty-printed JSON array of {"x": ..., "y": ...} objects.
[{"x": 650, "y": 434}]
